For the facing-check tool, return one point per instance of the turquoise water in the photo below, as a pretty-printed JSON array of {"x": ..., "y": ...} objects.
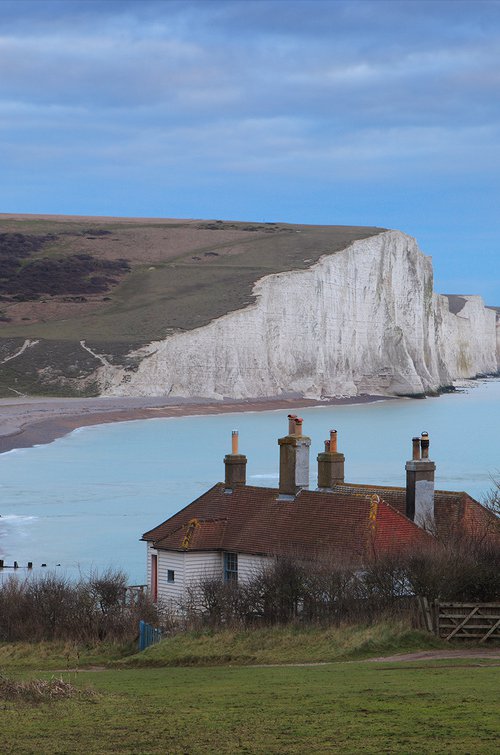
[{"x": 84, "y": 500}]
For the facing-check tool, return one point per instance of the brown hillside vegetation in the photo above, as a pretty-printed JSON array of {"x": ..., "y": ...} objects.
[
  {"x": 198, "y": 269},
  {"x": 119, "y": 283}
]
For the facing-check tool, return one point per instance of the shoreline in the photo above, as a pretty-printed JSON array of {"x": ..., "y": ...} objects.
[{"x": 27, "y": 422}]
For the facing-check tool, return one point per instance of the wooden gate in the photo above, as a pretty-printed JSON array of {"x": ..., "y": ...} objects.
[{"x": 467, "y": 621}]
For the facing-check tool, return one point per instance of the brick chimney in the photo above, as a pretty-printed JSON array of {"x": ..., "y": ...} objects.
[
  {"x": 294, "y": 458},
  {"x": 330, "y": 464},
  {"x": 235, "y": 464},
  {"x": 420, "y": 484}
]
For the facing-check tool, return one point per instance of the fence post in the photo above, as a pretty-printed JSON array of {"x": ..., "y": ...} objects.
[
  {"x": 142, "y": 632},
  {"x": 427, "y": 614},
  {"x": 148, "y": 635}
]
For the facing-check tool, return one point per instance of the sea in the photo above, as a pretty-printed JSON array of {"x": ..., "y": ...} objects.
[{"x": 80, "y": 504}]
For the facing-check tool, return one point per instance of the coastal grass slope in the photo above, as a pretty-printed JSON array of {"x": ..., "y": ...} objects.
[
  {"x": 266, "y": 645},
  {"x": 283, "y": 645}
]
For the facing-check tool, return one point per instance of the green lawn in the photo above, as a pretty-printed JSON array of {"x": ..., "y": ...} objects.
[
  {"x": 196, "y": 692},
  {"x": 344, "y": 707}
]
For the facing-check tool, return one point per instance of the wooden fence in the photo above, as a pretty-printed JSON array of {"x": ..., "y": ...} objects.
[
  {"x": 148, "y": 635},
  {"x": 462, "y": 621},
  {"x": 135, "y": 593}
]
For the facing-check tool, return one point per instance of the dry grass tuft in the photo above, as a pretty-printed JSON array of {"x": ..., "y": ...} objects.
[{"x": 40, "y": 690}]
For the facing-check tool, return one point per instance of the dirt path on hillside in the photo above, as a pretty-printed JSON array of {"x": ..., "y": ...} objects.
[
  {"x": 477, "y": 654},
  {"x": 439, "y": 655}
]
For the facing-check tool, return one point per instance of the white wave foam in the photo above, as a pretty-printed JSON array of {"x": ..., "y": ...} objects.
[
  {"x": 14, "y": 451},
  {"x": 13, "y": 518}
]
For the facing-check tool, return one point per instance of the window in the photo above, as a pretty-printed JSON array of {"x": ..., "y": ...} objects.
[
  {"x": 230, "y": 566},
  {"x": 170, "y": 575}
]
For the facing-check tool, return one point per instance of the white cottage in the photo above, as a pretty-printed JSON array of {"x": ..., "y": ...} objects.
[{"x": 234, "y": 529}]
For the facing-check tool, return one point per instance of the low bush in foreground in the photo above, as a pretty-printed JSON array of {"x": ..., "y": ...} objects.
[
  {"x": 53, "y": 608},
  {"x": 331, "y": 592}
]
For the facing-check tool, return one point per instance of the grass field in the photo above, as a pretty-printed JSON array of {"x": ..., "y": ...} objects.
[{"x": 344, "y": 706}]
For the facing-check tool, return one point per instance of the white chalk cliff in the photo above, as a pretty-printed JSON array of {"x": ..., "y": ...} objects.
[{"x": 362, "y": 320}]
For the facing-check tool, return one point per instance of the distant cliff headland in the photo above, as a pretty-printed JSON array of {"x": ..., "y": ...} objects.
[{"x": 151, "y": 307}]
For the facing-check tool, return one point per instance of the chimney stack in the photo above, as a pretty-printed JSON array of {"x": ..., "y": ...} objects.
[
  {"x": 424, "y": 445},
  {"x": 330, "y": 464},
  {"x": 235, "y": 464},
  {"x": 420, "y": 484},
  {"x": 294, "y": 458}
]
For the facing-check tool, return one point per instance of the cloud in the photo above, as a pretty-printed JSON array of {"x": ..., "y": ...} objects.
[
  {"x": 249, "y": 57},
  {"x": 299, "y": 94}
]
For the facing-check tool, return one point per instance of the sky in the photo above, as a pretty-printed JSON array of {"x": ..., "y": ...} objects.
[{"x": 357, "y": 112}]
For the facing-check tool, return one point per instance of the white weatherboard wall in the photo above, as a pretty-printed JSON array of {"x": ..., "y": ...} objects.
[
  {"x": 188, "y": 568},
  {"x": 191, "y": 567},
  {"x": 249, "y": 567},
  {"x": 362, "y": 320}
]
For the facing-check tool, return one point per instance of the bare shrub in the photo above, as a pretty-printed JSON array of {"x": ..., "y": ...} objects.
[
  {"x": 331, "y": 592},
  {"x": 51, "y": 607},
  {"x": 14, "y": 611},
  {"x": 492, "y": 499},
  {"x": 275, "y": 594},
  {"x": 288, "y": 590},
  {"x": 382, "y": 589},
  {"x": 214, "y": 603},
  {"x": 463, "y": 569}
]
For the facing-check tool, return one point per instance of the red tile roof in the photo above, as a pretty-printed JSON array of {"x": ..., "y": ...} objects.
[
  {"x": 255, "y": 520},
  {"x": 455, "y": 513}
]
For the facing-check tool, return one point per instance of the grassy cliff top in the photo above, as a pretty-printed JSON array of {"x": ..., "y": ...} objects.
[{"x": 133, "y": 280}]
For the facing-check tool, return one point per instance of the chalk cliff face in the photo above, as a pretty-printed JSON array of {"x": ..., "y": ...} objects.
[
  {"x": 498, "y": 340},
  {"x": 362, "y": 320}
]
